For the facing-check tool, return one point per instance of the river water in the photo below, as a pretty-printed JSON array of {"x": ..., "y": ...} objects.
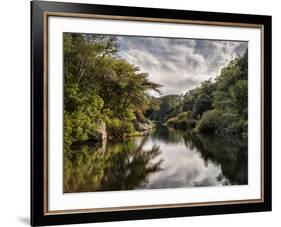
[{"x": 167, "y": 158}]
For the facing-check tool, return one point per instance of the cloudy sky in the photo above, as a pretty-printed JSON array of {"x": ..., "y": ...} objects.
[{"x": 179, "y": 64}]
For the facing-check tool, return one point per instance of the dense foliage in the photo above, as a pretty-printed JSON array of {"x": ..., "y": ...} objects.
[
  {"x": 182, "y": 121},
  {"x": 103, "y": 89},
  {"x": 100, "y": 87},
  {"x": 217, "y": 107}
]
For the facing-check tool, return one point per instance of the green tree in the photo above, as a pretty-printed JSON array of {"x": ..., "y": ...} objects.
[
  {"x": 218, "y": 106},
  {"x": 99, "y": 87}
]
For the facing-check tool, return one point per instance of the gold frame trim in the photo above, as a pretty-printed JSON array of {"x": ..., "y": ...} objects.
[{"x": 143, "y": 19}]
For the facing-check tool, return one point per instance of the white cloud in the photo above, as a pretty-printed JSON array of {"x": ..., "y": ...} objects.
[{"x": 179, "y": 64}]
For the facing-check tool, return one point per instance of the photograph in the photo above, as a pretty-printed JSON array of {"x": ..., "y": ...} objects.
[{"x": 143, "y": 112}]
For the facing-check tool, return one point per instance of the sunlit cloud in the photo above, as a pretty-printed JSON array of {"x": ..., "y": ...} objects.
[{"x": 179, "y": 64}]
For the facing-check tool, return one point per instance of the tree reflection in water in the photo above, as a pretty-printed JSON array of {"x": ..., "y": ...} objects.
[
  {"x": 120, "y": 166},
  {"x": 167, "y": 158},
  {"x": 232, "y": 156}
]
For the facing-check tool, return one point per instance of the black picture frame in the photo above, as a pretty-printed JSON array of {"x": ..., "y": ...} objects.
[{"x": 38, "y": 115}]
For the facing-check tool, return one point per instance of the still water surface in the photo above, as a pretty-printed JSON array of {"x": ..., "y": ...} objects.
[{"x": 167, "y": 158}]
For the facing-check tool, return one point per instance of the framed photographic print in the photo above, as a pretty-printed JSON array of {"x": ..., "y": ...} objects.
[{"x": 142, "y": 113}]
